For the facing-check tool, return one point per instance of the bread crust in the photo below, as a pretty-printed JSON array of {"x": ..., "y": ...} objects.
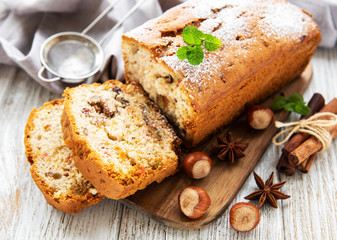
[
  {"x": 242, "y": 72},
  {"x": 89, "y": 162},
  {"x": 70, "y": 204}
]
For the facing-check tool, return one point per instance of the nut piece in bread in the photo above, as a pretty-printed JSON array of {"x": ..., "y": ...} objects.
[
  {"x": 265, "y": 45},
  {"x": 122, "y": 141},
  {"x": 53, "y": 169}
]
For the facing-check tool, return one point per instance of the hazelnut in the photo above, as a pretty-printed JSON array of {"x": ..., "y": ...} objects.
[
  {"x": 259, "y": 117},
  {"x": 244, "y": 217},
  {"x": 197, "y": 165},
  {"x": 193, "y": 201}
]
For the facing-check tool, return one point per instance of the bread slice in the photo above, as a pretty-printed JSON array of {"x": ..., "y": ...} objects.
[
  {"x": 53, "y": 170},
  {"x": 265, "y": 45},
  {"x": 122, "y": 141}
]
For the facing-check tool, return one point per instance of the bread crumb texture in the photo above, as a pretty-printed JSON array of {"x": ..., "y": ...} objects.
[
  {"x": 53, "y": 168},
  {"x": 125, "y": 140}
]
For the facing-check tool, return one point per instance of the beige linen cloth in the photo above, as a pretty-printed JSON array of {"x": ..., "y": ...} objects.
[{"x": 25, "y": 25}]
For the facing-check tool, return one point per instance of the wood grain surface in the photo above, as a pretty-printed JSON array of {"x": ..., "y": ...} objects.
[
  {"x": 310, "y": 213},
  {"x": 225, "y": 179}
]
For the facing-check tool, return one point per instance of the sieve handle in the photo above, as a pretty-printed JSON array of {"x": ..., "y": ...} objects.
[
  {"x": 122, "y": 20},
  {"x": 46, "y": 79},
  {"x": 99, "y": 17}
]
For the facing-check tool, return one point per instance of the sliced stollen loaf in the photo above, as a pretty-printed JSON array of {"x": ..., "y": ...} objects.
[
  {"x": 53, "y": 170},
  {"x": 265, "y": 44},
  {"x": 122, "y": 141}
]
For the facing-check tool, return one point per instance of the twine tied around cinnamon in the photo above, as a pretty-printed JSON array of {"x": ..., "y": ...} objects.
[{"x": 313, "y": 126}]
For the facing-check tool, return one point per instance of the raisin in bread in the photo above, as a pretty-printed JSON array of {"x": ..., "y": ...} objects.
[
  {"x": 265, "y": 44},
  {"x": 53, "y": 170},
  {"x": 123, "y": 141}
]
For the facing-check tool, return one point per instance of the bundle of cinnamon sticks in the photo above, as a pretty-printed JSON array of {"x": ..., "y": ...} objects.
[{"x": 301, "y": 149}]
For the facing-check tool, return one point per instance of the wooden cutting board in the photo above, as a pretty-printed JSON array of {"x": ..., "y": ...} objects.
[{"x": 160, "y": 201}]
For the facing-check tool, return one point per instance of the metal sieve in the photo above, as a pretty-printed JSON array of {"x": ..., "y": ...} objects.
[{"x": 74, "y": 57}]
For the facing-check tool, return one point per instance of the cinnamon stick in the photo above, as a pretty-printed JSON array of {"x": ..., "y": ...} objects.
[
  {"x": 284, "y": 165},
  {"x": 315, "y": 104},
  {"x": 312, "y": 145},
  {"x": 306, "y": 165},
  {"x": 309, "y": 163}
]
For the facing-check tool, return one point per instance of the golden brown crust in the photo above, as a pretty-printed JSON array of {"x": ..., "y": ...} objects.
[
  {"x": 71, "y": 204},
  {"x": 89, "y": 162},
  {"x": 258, "y": 90},
  {"x": 248, "y": 68}
]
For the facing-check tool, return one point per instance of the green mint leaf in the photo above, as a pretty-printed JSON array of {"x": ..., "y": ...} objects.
[
  {"x": 195, "y": 39},
  {"x": 290, "y": 107},
  {"x": 195, "y": 55},
  {"x": 294, "y": 103},
  {"x": 296, "y": 98},
  {"x": 211, "y": 43},
  {"x": 192, "y": 36},
  {"x": 302, "y": 109},
  {"x": 182, "y": 52},
  {"x": 278, "y": 103}
]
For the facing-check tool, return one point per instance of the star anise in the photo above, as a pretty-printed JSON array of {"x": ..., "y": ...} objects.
[
  {"x": 268, "y": 191},
  {"x": 229, "y": 149}
]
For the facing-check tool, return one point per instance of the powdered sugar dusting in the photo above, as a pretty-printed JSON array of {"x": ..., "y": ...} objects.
[
  {"x": 284, "y": 20},
  {"x": 232, "y": 25},
  {"x": 238, "y": 23},
  {"x": 191, "y": 72},
  {"x": 204, "y": 9},
  {"x": 228, "y": 20},
  {"x": 226, "y": 26}
]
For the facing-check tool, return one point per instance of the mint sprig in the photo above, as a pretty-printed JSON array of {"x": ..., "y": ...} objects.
[
  {"x": 294, "y": 103},
  {"x": 195, "y": 39}
]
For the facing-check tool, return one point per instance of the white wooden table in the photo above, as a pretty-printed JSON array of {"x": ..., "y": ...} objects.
[{"x": 311, "y": 212}]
